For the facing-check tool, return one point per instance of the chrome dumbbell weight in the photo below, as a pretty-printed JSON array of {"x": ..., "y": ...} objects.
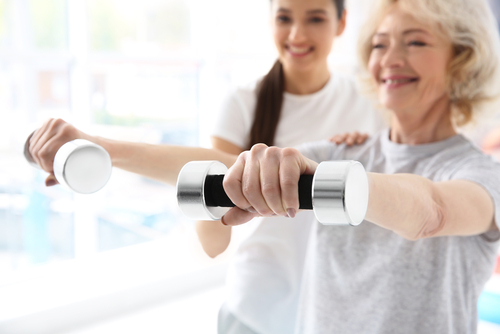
[
  {"x": 80, "y": 165},
  {"x": 337, "y": 192}
]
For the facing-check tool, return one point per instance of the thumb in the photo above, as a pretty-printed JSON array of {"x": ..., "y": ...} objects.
[
  {"x": 237, "y": 216},
  {"x": 51, "y": 180}
]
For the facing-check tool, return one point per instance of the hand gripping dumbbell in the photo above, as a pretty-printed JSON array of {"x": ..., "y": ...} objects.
[
  {"x": 337, "y": 192},
  {"x": 80, "y": 165}
]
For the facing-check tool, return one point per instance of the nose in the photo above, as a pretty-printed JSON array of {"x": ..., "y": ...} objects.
[
  {"x": 297, "y": 33},
  {"x": 394, "y": 56}
]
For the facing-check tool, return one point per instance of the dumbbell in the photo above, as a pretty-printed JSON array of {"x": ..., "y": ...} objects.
[
  {"x": 79, "y": 165},
  {"x": 337, "y": 192}
]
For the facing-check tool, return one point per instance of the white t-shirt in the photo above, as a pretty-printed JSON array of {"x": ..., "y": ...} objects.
[{"x": 264, "y": 280}]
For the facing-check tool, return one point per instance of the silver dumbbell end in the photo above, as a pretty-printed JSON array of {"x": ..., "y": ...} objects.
[
  {"x": 80, "y": 165},
  {"x": 337, "y": 193},
  {"x": 340, "y": 193},
  {"x": 191, "y": 190}
]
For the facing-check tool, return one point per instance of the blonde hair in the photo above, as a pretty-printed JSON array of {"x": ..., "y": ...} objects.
[{"x": 473, "y": 31}]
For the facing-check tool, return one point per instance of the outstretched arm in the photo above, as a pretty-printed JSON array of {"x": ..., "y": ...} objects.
[
  {"x": 416, "y": 207},
  {"x": 265, "y": 180},
  {"x": 159, "y": 162}
]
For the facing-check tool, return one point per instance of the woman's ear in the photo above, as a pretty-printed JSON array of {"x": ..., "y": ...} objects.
[{"x": 342, "y": 23}]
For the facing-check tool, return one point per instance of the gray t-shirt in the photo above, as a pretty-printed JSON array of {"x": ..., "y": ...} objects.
[{"x": 367, "y": 279}]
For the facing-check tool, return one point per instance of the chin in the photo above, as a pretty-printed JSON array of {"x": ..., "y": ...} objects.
[
  {"x": 300, "y": 65},
  {"x": 394, "y": 103}
]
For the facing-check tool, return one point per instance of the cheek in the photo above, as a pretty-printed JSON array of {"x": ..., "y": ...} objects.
[
  {"x": 279, "y": 35},
  {"x": 435, "y": 73},
  {"x": 374, "y": 67},
  {"x": 324, "y": 38},
  {"x": 432, "y": 68}
]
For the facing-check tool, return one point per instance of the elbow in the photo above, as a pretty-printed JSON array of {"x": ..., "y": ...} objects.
[
  {"x": 432, "y": 224},
  {"x": 215, "y": 249},
  {"x": 213, "y": 253}
]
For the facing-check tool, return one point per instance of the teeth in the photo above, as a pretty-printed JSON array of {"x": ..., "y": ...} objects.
[
  {"x": 298, "y": 50},
  {"x": 396, "y": 81}
]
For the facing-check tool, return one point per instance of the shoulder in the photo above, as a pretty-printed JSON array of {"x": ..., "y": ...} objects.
[
  {"x": 347, "y": 84},
  {"x": 468, "y": 158},
  {"x": 245, "y": 91},
  {"x": 241, "y": 99}
]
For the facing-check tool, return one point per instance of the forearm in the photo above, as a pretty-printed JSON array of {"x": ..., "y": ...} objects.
[
  {"x": 159, "y": 162},
  {"x": 406, "y": 204}
]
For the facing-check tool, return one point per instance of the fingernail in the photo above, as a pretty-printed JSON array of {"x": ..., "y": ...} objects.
[
  {"x": 290, "y": 212},
  {"x": 251, "y": 209},
  {"x": 50, "y": 183},
  {"x": 222, "y": 221}
]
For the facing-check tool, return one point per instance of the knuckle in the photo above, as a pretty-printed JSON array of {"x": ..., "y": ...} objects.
[
  {"x": 258, "y": 148},
  {"x": 270, "y": 190},
  {"x": 67, "y": 131},
  {"x": 57, "y": 122},
  {"x": 249, "y": 189},
  {"x": 272, "y": 152},
  {"x": 44, "y": 154},
  {"x": 288, "y": 183},
  {"x": 289, "y": 152},
  {"x": 243, "y": 157}
]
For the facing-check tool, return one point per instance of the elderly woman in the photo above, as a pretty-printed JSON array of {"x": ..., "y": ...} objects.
[{"x": 419, "y": 261}]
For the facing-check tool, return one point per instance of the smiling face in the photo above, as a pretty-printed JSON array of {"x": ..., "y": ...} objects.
[
  {"x": 303, "y": 32},
  {"x": 409, "y": 62}
]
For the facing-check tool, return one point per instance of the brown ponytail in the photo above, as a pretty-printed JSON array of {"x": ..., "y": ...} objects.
[{"x": 268, "y": 108}]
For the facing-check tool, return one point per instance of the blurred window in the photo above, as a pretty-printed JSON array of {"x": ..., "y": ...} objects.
[{"x": 153, "y": 71}]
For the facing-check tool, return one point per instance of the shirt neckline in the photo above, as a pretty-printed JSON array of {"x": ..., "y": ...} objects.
[
  {"x": 420, "y": 150},
  {"x": 320, "y": 92}
]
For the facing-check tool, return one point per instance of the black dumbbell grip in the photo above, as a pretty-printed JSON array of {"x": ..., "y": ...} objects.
[{"x": 216, "y": 196}]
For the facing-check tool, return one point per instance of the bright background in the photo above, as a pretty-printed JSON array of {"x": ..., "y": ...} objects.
[{"x": 124, "y": 259}]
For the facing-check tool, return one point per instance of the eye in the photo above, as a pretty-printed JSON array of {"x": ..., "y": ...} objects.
[
  {"x": 378, "y": 46},
  {"x": 316, "y": 19},
  {"x": 283, "y": 19},
  {"x": 416, "y": 43}
]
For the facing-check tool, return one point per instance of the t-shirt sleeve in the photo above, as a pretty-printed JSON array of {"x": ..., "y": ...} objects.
[
  {"x": 484, "y": 171},
  {"x": 234, "y": 120}
]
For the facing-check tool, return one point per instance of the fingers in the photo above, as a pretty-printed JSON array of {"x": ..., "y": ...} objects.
[
  {"x": 51, "y": 181},
  {"x": 265, "y": 180},
  {"x": 349, "y": 138},
  {"x": 362, "y": 138},
  {"x": 36, "y": 141},
  {"x": 45, "y": 142},
  {"x": 233, "y": 183},
  {"x": 289, "y": 175},
  {"x": 338, "y": 139},
  {"x": 270, "y": 183},
  {"x": 237, "y": 216},
  {"x": 242, "y": 182}
]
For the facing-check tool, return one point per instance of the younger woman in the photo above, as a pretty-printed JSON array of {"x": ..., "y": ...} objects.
[{"x": 299, "y": 100}]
